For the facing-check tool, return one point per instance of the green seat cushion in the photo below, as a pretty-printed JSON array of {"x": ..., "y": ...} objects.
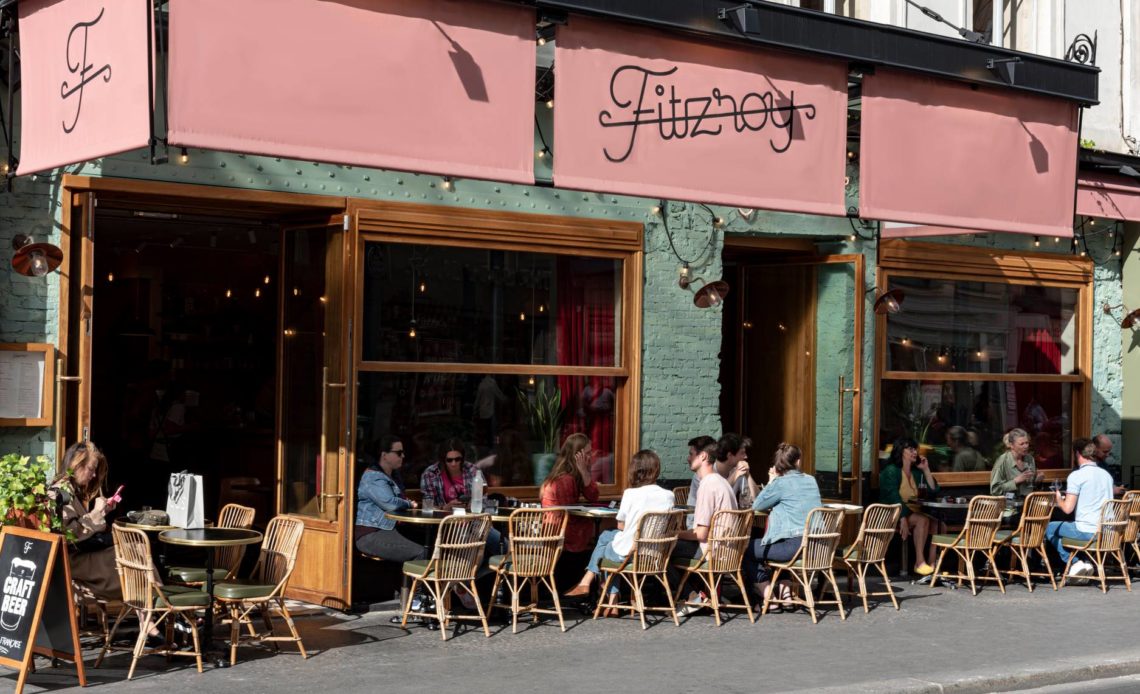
[
  {"x": 182, "y": 596},
  {"x": 496, "y": 562},
  {"x": 610, "y": 565},
  {"x": 685, "y": 562},
  {"x": 417, "y": 567},
  {"x": 947, "y": 541},
  {"x": 842, "y": 553},
  {"x": 242, "y": 591},
  {"x": 1003, "y": 535},
  {"x": 191, "y": 574},
  {"x": 1070, "y": 543}
]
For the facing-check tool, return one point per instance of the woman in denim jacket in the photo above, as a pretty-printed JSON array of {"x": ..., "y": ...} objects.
[
  {"x": 379, "y": 491},
  {"x": 789, "y": 496}
]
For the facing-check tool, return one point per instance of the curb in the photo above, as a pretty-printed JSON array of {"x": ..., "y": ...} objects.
[{"x": 1066, "y": 671}]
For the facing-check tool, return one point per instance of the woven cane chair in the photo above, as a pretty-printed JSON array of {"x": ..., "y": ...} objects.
[
  {"x": 1132, "y": 533},
  {"x": 653, "y": 542},
  {"x": 729, "y": 534},
  {"x": 681, "y": 495},
  {"x": 1107, "y": 542},
  {"x": 227, "y": 560},
  {"x": 265, "y": 589},
  {"x": 536, "y": 538},
  {"x": 983, "y": 518},
  {"x": 155, "y": 605},
  {"x": 455, "y": 562},
  {"x": 870, "y": 550},
  {"x": 1028, "y": 538},
  {"x": 816, "y": 556}
]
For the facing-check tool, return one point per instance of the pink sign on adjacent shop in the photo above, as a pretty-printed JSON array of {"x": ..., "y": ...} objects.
[
  {"x": 946, "y": 154},
  {"x": 641, "y": 112},
  {"x": 1109, "y": 196},
  {"x": 83, "y": 80},
  {"x": 436, "y": 86}
]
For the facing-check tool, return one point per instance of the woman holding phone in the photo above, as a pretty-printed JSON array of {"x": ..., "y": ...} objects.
[
  {"x": 899, "y": 481},
  {"x": 78, "y": 494}
]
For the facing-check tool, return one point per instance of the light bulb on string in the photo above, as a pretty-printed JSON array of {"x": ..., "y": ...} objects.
[
  {"x": 184, "y": 157},
  {"x": 266, "y": 280},
  {"x": 423, "y": 286},
  {"x": 446, "y": 184},
  {"x": 1037, "y": 241},
  {"x": 110, "y": 277},
  {"x": 550, "y": 103},
  {"x": 522, "y": 315},
  {"x": 530, "y": 381},
  {"x": 229, "y": 293},
  {"x": 257, "y": 293}
]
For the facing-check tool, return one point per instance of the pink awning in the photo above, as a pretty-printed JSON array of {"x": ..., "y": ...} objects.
[
  {"x": 641, "y": 112},
  {"x": 1109, "y": 196},
  {"x": 436, "y": 86},
  {"x": 946, "y": 154},
  {"x": 83, "y": 66}
]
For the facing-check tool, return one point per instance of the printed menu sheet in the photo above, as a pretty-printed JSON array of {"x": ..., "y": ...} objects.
[{"x": 22, "y": 384}]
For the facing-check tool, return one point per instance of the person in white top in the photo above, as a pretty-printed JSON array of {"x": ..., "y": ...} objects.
[
  {"x": 642, "y": 496},
  {"x": 1087, "y": 488}
]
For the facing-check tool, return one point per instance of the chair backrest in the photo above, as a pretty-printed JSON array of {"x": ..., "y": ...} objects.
[
  {"x": 681, "y": 495},
  {"x": 880, "y": 522},
  {"x": 459, "y": 546},
  {"x": 228, "y": 559},
  {"x": 279, "y": 550},
  {"x": 654, "y": 540},
  {"x": 135, "y": 567},
  {"x": 728, "y": 540},
  {"x": 821, "y": 537},
  {"x": 1113, "y": 523},
  {"x": 983, "y": 518},
  {"x": 1133, "y": 529},
  {"x": 536, "y": 540},
  {"x": 1035, "y": 515}
]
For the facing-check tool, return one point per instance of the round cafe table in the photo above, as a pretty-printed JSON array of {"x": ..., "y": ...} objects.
[{"x": 210, "y": 539}]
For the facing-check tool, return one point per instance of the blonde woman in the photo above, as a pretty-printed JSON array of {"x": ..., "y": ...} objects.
[
  {"x": 569, "y": 481},
  {"x": 1014, "y": 470},
  {"x": 78, "y": 493}
]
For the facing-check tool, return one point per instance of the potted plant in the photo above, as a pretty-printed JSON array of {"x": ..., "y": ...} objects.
[
  {"x": 543, "y": 412},
  {"x": 24, "y": 499}
]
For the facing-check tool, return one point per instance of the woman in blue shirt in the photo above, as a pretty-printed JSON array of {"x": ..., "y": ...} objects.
[
  {"x": 788, "y": 498},
  {"x": 379, "y": 491}
]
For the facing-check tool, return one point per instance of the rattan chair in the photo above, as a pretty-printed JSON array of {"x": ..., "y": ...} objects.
[
  {"x": 536, "y": 538},
  {"x": 681, "y": 495},
  {"x": 983, "y": 518},
  {"x": 729, "y": 534},
  {"x": 265, "y": 588},
  {"x": 227, "y": 560},
  {"x": 1029, "y": 537},
  {"x": 155, "y": 604},
  {"x": 879, "y": 525},
  {"x": 455, "y": 562},
  {"x": 816, "y": 556},
  {"x": 1107, "y": 542},
  {"x": 653, "y": 543},
  {"x": 1132, "y": 532}
]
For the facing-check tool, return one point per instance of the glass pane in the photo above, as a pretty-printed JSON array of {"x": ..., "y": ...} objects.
[
  {"x": 982, "y": 327},
  {"x": 835, "y": 358},
  {"x": 927, "y": 410},
  {"x": 470, "y": 305},
  {"x": 491, "y": 415}
]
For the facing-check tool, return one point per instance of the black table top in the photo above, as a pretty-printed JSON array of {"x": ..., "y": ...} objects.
[{"x": 210, "y": 537}]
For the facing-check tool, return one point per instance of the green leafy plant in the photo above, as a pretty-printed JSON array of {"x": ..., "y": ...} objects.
[
  {"x": 1087, "y": 144},
  {"x": 915, "y": 422},
  {"x": 24, "y": 499},
  {"x": 544, "y": 413}
]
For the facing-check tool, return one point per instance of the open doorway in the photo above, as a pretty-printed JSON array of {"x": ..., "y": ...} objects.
[{"x": 183, "y": 353}]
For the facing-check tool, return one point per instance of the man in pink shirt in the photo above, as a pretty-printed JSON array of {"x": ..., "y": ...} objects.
[{"x": 713, "y": 494}]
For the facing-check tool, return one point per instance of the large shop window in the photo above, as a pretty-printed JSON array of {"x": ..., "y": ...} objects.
[
  {"x": 976, "y": 352},
  {"x": 510, "y": 351}
]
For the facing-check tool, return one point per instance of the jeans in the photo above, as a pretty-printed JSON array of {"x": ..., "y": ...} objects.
[
  {"x": 390, "y": 545},
  {"x": 1056, "y": 531},
  {"x": 494, "y": 545},
  {"x": 603, "y": 550},
  {"x": 758, "y": 555}
]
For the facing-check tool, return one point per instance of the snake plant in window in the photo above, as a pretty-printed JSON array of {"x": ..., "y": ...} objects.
[{"x": 543, "y": 412}]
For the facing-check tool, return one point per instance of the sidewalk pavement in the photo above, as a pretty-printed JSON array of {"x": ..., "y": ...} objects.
[{"x": 942, "y": 640}]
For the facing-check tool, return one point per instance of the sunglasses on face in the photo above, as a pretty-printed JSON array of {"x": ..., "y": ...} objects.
[
  {"x": 454, "y": 460},
  {"x": 399, "y": 453}
]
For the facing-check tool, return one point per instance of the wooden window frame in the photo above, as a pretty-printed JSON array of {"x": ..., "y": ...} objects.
[
  {"x": 409, "y": 223},
  {"x": 902, "y": 258}
]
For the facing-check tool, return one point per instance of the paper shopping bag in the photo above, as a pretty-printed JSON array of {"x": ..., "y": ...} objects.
[{"x": 184, "y": 502}]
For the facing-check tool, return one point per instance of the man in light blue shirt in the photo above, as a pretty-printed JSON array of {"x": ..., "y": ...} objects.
[{"x": 1087, "y": 489}]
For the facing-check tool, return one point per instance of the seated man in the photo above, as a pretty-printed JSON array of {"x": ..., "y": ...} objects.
[
  {"x": 714, "y": 494},
  {"x": 731, "y": 463},
  {"x": 1088, "y": 487}
]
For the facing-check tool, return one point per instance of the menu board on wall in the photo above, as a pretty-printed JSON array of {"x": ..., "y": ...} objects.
[{"x": 26, "y": 373}]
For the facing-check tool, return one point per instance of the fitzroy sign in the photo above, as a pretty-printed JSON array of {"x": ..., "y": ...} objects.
[{"x": 643, "y": 113}]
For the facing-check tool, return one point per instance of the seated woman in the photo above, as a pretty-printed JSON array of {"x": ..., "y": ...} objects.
[
  {"x": 568, "y": 482},
  {"x": 899, "y": 481},
  {"x": 448, "y": 483},
  {"x": 83, "y": 509},
  {"x": 380, "y": 490},
  {"x": 643, "y": 496},
  {"x": 788, "y": 498},
  {"x": 1014, "y": 470}
]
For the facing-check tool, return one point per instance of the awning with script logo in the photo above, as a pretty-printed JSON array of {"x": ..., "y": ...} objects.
[
  {"x": 946, "y": 154},
  {"x": 1109, "y": 196},
  {"x": 434, "y": 86},
  {"x": 642, "y": 112},
  {"x": 84, "y": 84}
]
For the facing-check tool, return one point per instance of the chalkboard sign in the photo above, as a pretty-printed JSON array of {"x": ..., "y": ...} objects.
[{"x": 36, "y": 614}]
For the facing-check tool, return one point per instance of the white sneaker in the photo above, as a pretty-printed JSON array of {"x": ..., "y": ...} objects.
[
  {"x": 695, "y": 603},
  {"x": 1079, "y": 571}
]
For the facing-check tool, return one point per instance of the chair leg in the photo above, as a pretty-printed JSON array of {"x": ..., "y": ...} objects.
[
  {"x": 441, "y": 608},
  {"x": 713, "y": 597},
  {"x": 673, "y": 605},
  {"x": 937, "y": 567},
  {"x": 194, "y": 635},
  {"x": 408, "y": 602},
  {"x": 1048, "y": 566},
  {"x": 513, "y": 586},
  {"x": 861, "y": 574},
  {"x": 111, "y": 635},
  {"x": 292, "y": 627},
  {"x": 805, "y": 584},
  {"x": 994, "y": 570},
  {"x": 773, "y": 581},
  {"x": 1023, "y": 555},
  {"x": 967, "y": 559},
  {"x": 1124, "y": 570},
  {"x": 549, "y": 580},
  {"x": 1099, "y": 561},
  {"x": 838, "y": 597},
  {"x": 479, "y": 608},
  {"x": 1065, "y": 573},
  {"x": 604, "y": 599},
  {"x": 882, "y": 566},
  {"x": 235, "y": 631},
  {"x": 140, "y": 642}
]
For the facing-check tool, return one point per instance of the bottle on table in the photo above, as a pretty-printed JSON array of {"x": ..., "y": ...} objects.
[{"x": 477, "y": 492}]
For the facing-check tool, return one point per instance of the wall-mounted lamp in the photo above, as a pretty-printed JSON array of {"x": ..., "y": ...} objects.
[
  {"x": 711, "y": 294},
  {"x": 888, "y": 302},
  {"x": 1130, "y": 319},
  {"x": 544, "y": 34},
  {"x": 34, "y": 259}
]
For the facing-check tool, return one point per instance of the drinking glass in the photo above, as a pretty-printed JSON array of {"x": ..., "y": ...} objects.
[{"x": 428, "y": 504}]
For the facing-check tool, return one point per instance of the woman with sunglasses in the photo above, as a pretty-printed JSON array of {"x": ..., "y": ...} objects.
[
  {"x": 381, "y": 489},
  {"x": 448, "y": 481}
]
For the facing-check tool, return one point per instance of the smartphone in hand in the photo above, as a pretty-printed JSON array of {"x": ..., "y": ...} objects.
[{"x": 117, "y": 496}]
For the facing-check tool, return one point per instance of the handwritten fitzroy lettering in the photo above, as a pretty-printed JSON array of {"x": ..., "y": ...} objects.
[
  {"x": 77, "y": 65},
  {"x": 646, "y": 97}
]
